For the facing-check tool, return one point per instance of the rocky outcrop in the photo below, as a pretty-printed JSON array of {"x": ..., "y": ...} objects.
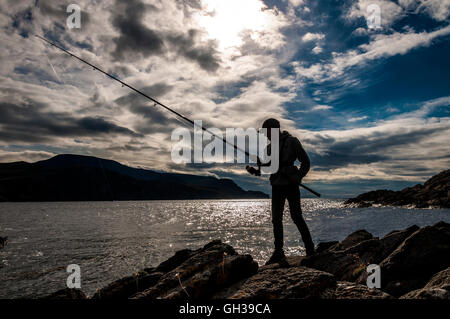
[
  {"x": 437, "y": 288},
  {"x": 415, "y": 260},
  {"x": 414, "y": 263},
  {"x": 216, "y": 266},
  {"x": 435, "y": 192}
]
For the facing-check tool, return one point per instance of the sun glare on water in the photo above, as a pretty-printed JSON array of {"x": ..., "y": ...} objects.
[{"x": 225, "y": 20}]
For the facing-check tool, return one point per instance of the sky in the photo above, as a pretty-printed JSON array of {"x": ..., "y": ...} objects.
[{"x": 369, "y": 104}]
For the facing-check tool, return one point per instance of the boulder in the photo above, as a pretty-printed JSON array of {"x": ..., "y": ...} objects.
[
  {"x": 411, "y": 264},
  {"x": 351, "y": 240},
  {"x": 374, "y": 251},
  {"x": 284, "y": 283},
  {"x": 337, "y": 260},
  {"x": 343, "y": 266},
  {"x": 437, "y": 288},
  {"x": 210, "y": 269}
]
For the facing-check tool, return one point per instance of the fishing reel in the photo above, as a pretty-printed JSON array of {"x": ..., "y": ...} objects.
[{"x": 253, "y": 171}]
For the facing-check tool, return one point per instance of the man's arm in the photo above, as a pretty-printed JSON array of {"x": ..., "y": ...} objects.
[{"x": 304, "y": 160}]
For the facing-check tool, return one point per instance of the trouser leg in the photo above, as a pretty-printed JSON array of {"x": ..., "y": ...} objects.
[
  {"x": 278, "y": 200},
  {"x": 293, "y": 197}
]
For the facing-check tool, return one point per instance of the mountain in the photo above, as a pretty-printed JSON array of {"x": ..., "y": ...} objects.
[
  {"x": 86, "y": 178},
  {"x": 435, "y": 192}
]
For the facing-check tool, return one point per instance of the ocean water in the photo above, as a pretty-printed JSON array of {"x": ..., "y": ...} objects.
[{"x": 110, "y": 240}]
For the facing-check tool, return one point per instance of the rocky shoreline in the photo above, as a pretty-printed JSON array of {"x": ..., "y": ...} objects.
[
  {"x": 414, "y": 262},
  {"x": 434, "y": 193}
]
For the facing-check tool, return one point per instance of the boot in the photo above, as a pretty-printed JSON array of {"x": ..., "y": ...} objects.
[{"x": 277, "y": 256}]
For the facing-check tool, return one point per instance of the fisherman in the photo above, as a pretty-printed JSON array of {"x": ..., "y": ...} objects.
[{"x": 285, "y": 185}]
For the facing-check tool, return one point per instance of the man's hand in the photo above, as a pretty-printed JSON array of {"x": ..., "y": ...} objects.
[{"x": 253, "y": 171}]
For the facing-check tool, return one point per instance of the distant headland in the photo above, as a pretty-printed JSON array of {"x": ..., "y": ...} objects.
[{"x": 86, "y": 178}]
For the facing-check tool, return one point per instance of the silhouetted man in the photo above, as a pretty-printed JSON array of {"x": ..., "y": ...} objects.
[{"x": 285, "y": 185}]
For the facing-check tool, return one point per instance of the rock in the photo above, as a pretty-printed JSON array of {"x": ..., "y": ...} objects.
[
  {"x": 335, "y": 259},
  {"x": 176, "y": 260},
  {"x": 408, "y": 259},
  {"x": 321, "y": 247},
  {"x": 67, "y": 294},
  {"x": 352, "y": 239},
  {"x": 283, "y": 283},
  {"x": 343, "y": 266},
  {"x": 142, "y": 280},
  {"x": 210, "y": 269},
  {"x": 437, "y": 288},
  {"x": 350, "y": 290},
  {"x": 435, "y": 192},
  {"x": 128, "y": 286},
  {"x": 411, "y": 264},
  {"x": 374, "y": 251}
]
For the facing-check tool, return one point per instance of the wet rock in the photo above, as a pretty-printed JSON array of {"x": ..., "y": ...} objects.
[
  {"x": 210, "y": 269},
  {"x": 437, "y": 288},
  {"x": 411, "y": 264},
  {"x": 283, "y": 283},
  {"x": 67, "y": 294}
]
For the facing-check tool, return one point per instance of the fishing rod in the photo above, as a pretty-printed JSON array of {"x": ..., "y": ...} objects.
[{"x": 157, "y": 103}]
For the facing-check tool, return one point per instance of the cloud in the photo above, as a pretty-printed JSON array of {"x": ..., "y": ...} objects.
[
  {"x": 27, "y": 156},
  {"x": 321, "y": 108},
  {"x": 390, "y": 11},
  {"x": 205, "y": 55},
  {"x": 137, "y": 39},
  {"x": 313, "y": 37},
  {"x": 134, "y": 37},
  {"x": 30, "y": 121},
  {"x": 356, "y": 119},
  {"x": 437, "y": 9},
  {"x": 168, "y": 51},
  {"x": 297, "y": 3},
  {"x": 381, "y": 46}
]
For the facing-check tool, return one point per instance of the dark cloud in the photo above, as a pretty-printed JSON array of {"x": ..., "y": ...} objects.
[
  {"x": 378, "y": 147},
  {"x": 30, "y": 122},
  {"x": 137, "y": 40},
  {"x": 204, "y": 55},
  {"x": 152, "y": 118}
]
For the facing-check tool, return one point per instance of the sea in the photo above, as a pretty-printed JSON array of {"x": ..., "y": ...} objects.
[{"x": 110, "y": 240}]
